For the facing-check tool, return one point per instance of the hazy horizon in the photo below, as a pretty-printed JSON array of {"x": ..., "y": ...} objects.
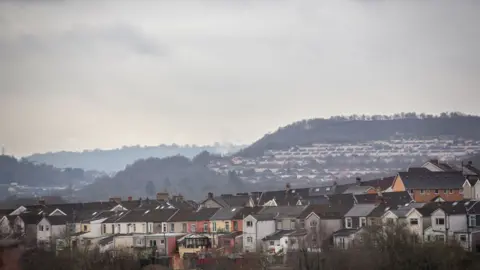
[{"x": 78, "y": 75}]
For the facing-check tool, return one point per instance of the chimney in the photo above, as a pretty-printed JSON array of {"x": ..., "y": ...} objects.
[
  {"x": 210, "y": 195},
  {"x": 162, "y": 196},
  {"x": 470, "y": 163},
  {"x": 358, "y": 181},
  {"x": 287, "y": 187},
  {"x": 129, "y": 198}
]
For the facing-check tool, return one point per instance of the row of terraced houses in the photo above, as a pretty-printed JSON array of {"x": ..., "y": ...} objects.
[{"x": 437, "y": 202}]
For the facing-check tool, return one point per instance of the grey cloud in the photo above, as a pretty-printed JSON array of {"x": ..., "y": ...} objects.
[{"x": 168, "y": 71}]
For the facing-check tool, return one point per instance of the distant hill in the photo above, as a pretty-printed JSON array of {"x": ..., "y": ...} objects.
[
  {"x": 23, "y": 176},
  {"x": 341, "y": 129},
  {"x": 116, "y": 159},
  {"x": 175, "y": 174}
]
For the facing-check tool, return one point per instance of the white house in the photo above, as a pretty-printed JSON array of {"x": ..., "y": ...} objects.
[
  {"x": 450, "y": 219},
  {"x": 255, "y": 228},
  {"x": 51, "y": 228},
  {"x": 278, "y": 242}
]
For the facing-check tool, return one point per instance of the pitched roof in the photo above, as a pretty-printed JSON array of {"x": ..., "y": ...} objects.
[
  {"x": 450, "y": 208},
  {"x": 245, "y": 211},
  {"x": 357, "y": 189},
  {"x": 381, "y": 183},
  {"x": 360, "y": 210},
  {"x": 389, "y": 198},
  {"x": 432, "y": 180},
  {"x": 277, "y": 235},
  {"x": 58, "y": 220},
  {"x": 326, "y": 211},
  {"x": 472, "y": 169},
  {"x": 226, "y": 213},
  {"x": 345, "y": 199},
  {"x": 30, "y": 219},
  {"x": 283, "y": 211},
  {"x": 345, "y": 232},
  {"x": 182, "y": 215},
  {"x": 230, "y": 200},
  {"x": 284, "y": 197}
]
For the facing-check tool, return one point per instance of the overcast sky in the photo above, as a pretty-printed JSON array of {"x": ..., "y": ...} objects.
[{"x": 101, "y": 74}]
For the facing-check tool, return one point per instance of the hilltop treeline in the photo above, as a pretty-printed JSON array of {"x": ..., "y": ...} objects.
[
  {"x": 24, "y": 172},
  {"x": 116, "y": 159},
  {"x": 177, "y": 175},
  {"x": 359, "y": 128}
]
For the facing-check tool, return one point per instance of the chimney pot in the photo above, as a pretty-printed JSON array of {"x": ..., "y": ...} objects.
[
  {"x": 129, "y": 198},
  {"x": 210, "y": 195}
]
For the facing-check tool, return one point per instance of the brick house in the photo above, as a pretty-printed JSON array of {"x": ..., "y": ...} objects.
[{"x": 424, "y": 185}]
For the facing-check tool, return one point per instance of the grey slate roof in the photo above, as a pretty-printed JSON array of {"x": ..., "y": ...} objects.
[
  {"x": 357, "y": 190},
  {"x": 360, "y": 210},
  {"x": 432, "y": 180},
  {"x": 283, "y": 211},
  {"x": 277, "y": 235},
  {"x": 345, "y": 232},
  {"x": 227, "y": 213},
  {"x": 59, "y": 220},
  {"x": 381, "y": 183},
  {"x": 389, "y": 198}
]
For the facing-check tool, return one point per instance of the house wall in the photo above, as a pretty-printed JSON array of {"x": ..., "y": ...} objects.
[
  {"x": 355, "y": 222},
  {"x": 286, "y": 223},
  {"x": 398, "y": 185},
  {"x": 457, "y": 223},
  {"x": 201, "y": 226},
  {"x": 209, "y": 203},
  {"x": 416, "y": 229},
  {"x": 178, "y": 227},
  {"x": 44, "y": 234},
  {"x": 429, "y": 194},
  {"x": 468, "y": 191},
  {"x": 123, "y": 241},
  {"x": 257, "y": 231},
  {"x": 343, "y": 242},
  {"x": 476, "y": 191},
  {"x": 5, "y": 226},
  {"x": 219, "y": 225},
  {"x": 388, "y": 215}
]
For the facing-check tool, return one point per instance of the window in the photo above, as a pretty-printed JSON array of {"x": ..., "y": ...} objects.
[
  {"x": 440, "y": 238},
  {"x": 162, "y": 242},
  {"x": 272, "y": 243},
  {"x": 411, "y": 191},
  {"x": 292, "y": 224},
  {"x": 436, "y": 191},
  {"x": 450, "y": 191},
  {"x": 172, "y": 227},
  {"x": 422, "y": 191},
  {"x": 313, "y": 224},
  {"x": 113, "y": 229},
  {"x": 46, "y": 228},
  {"x": 193, "y": 227},
  {"x": 414, "y": 221},
  {"x": 445, "y": 191},
  {"x": 85, "y": 228},
  {"x": 463, "y": 238},
  {"x": 184, "y": 227},
  {"x": 143, "y": 227},
  {"x": 205, "y": 227},
  {"x": 134, "y": 227},
  {"x": 40, "y": 228},
  {"x": 119, "y": 228},
  {"x": 440, "y": 221},
  {"x": 302, "y": 224},
  {"x": 279, "y": 225},
  {"x": 348, "y": 223},
  {"x": 227, "y": 226},
  {"x": 235, "y": 226},
  {"x": 164, "y": 227},
  {"x": 214, "y": 226},
  {"x": 342, "y": 243},
  {"x": 363, "y": 222},
  {"x": 104, "y": 228},
  {"x": 473, "y": 221},
  {"x": 153, "y": 243},
  {"x": 249, "y": 239},
  {"x": 249, "y": 224},
  {"x": 390, "y": 221},
  {"x": 150, "y": 227}
]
